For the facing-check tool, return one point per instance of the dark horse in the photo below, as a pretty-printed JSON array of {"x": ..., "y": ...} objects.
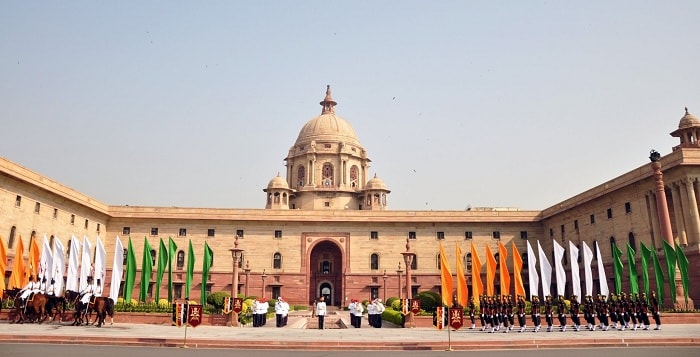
[
  {"x": 8, "y": 298},
  {"x": 34, "y": 309},
  {"x": 102, "y": 306},
  {"x": 55, "y": 306}
]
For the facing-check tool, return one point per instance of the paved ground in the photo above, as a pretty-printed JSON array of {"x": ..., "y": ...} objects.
[{"x": 297, "y": 337}]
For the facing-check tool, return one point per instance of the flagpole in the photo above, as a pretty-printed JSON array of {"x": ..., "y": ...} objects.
[
  {"x": 187, "y": 317},
  {"x": 449, "y": 340}
]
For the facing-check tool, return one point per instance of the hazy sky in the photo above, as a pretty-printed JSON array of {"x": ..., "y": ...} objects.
[{"x": 458, "y": 103}]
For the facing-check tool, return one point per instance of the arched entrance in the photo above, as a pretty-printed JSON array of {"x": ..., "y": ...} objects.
[{"x": 326, "y": 273}]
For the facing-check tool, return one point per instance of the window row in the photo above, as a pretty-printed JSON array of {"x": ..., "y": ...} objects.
[
  {"x": 441, "y": 235},
  {"x": 591, "y": 218},
  {"x": 37, "y": 210},
  {"x": 182, "y": 232}
]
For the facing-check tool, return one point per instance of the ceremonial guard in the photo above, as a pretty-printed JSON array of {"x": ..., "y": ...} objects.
[
  {"x": 509, "y": 312},
  {"x": 29, "y": 289},
  {"x": 643, "y": 311},
  {"x": 654, "y": 304},
  {"x": 491, "y": 313},
  {"x": 561, "y": 307},
  {"x": 482, "y": 312},
  {"x": 321, "y": 312},
  {"x": 264, "y": 307},
  {"x": 42, "y": 285},
  {"x": 281, "y": 312},
  {"x": 352, "y": 308},
  {"x": 575, "y": 310},
  {"x": 632, "y": 310},
  {"x": 548, "y": 313},
  {"x": 379, "y": 306},
  {"x": 359, "y": 309},
  {"x": 86, "y": 294},
  {"x": 51, "y": 289},
  {"x": 254, "y": 308},
  {"x": 603, "y": 312},
  {"x": 535, "y": 313},
  {"x": 472, "y": 308},
  {"x": 521, "y": 312},
  {"x": 588, "y": 312}
]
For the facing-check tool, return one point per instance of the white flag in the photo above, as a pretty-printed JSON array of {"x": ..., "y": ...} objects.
[
  {"x": 117, "y": 270},
  {"x": 85, "y": 263},
  {"x": 587, "y": 260},
  {"x": 575, "y": 275},
  {"x": 559, "y": 267},
  {"x": 72, "y": 277},
  {"x": 545, "y": 271},
  {"x": 58, "y": 266},
  {"x": 100, "y": 264},
  {"x": 602, "y": 279},
  {"x": 46, "y": 261},
  {"x": 534, "y": 279}
]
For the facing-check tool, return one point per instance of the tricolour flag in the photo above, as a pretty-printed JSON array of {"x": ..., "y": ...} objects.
[
  {"x": 146, "y": 270},
  {"x": 477, "y": 285},
  {"x": 162, "y": 264},
  {"x": 130, "y": 276},
  {"x": 575, "y": 277},
  {"x": 533, "y": 277},
  {"x": 602, "y": 279},
  {"x": 59, "y": 265},
  {"x": 446, "y": 285},
  {"x": 503, "y": 274},
  {"x": 588, "y": 273},
  {"x": 490, "y": 272},
  {"x": 207, "y": 262},
  {"x": 462, "y": 291},
  {"x": 517, "y": 272},
  {"x": 172, "y": 250},
  {"x": 545, "y": 271},
  {"x": 559, "y": 267},
  {"x": 632, "y": 266},
  {"x": 117, "y": 270},
  {"x": 190, "y": 271}
]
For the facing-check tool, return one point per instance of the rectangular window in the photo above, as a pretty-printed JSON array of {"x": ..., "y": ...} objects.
[
  {"x": 182, "y": 232},
  {"x": 154, "y": 231},
  {"x": 563, "y": 231},
  {"x": 576, "y": 224},
  {"x": 72, "y": 219},
  {"x": 592, "y": 219},
  {"x": 326, "y": 204},
  {"x": 278, "y": 234},
  {"x": 411, "y": 235},
  {"x": 327, "y": 146},
  {"x": 55, "y": 213},
  {"x": 18, "y": 201},
  {"x": 628, "y": 207},
  {"x": 373, "y": 235},
  {"x": 440, "y": 235},
  {"x": 126, "y": 231},
  {"x": 210, "y": 232},
  {"x": 276, "y": 292},
  {"x": 610, "y": 215},
  {"x": 239, "y": 233},
  {"x": 374, "y": 292},
  {"x": 37, "y": 208},
  {"x": 468, "y": 235},
  {"x": 496, "y": 235},
  {"x": 86, "y": 224},
  {"x": 523, "y": 234},
  {"x": 551, "y": 232}
]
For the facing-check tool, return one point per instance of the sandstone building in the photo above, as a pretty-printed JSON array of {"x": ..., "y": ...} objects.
[{"x": 327, "y": 229}]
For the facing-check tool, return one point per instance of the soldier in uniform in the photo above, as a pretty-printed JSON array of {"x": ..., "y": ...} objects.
[
  {"x": 520, "y": 305},
  {"x": 29, "y": 289},
  {"x": 482, "y": 312},
  {"x": 548, "y": 313},
  {"x": 509, "y": 311},
  {"x": 472, "y": 308},
  {"x": 654, "y": 304},
  {"x": 359, "y": 309},
  {"x": 561, "y": 309},
  {"x": 379, "y": 306},
  {"x": 643, "y": 311},
  {"x": 536, "y": 310},
  {"x": 575, "y": 310},
  {"x": 632, "y": 310},
  {"x": 321, "y": 312},
  {"x": 603, "y": 312}
]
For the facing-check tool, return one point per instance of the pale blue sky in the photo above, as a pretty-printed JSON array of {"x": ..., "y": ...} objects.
[{"x": 493, "y": 103}]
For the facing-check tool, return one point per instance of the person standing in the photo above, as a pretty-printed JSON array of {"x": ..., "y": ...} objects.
[
  {"x": 654, "y": 304},
  {"x": 281, "y": 312},
  {"x": 561, "y": 307},
  {"x": 321, "y": 312},
  {"x": 379, "y": 306},
  {"x": 359, "y": 309},
  {"x": 535, "y": 313},
  {"x": 372, "y": 313},
  {"x": 521, "y": 312},
  {"x": 575, "y": 310},
  {"x": 352, "y": 308},
  {"x": 254, "y": 309},
  {"x": 548, "y": 313}
]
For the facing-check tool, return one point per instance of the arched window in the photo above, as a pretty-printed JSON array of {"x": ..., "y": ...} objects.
[
  {"x": 153, "y": 257},
  {"x": 277, "y": 261},
  {"x": 180, "y": 259},
  {"x": 276, "y": 197},
  {"x": 468, "y": 261},
  {"x": 374, "y": 261},
  {"x": 354, "y": 176},
  {"x": 326, "y": 267},
  {"x": 284, "y": 198},
  {"x": 327, "y": 175},
  {"x": 301, "y": 176},
  {"x": 11, "y": 240},
  {"x": 633, "y": 241}
]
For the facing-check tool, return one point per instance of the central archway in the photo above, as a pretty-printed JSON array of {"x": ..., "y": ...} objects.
[{"x": 326, "y": 273}]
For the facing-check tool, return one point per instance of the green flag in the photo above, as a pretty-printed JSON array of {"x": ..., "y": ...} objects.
[
  {"x": 130, "y": 272},
  {"x": 670, "y": 257},
  {"x": 206, "y": 265},
  {"x": 172, "y": 250},
  {"x": 190, "y": 271},
  {"x": 659, "y": 277},
  {"x": 683, "y": 267},
  {"x": 632, "y": 267},
  {"x": 617, "y": 267},
  {"x": 162, "y": 263},
  {"x": 146, "y": 270},
  {"x": 646, "y": 258}
]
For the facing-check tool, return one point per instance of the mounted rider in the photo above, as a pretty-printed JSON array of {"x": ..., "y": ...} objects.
[
  {"x": 87, "y": 293},
  {"x": 28, "y": 291}
]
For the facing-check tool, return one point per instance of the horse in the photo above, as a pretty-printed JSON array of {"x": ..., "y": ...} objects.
[
  {"x": 34, "y": 309},
  {"x": 8, "y": 298},
  {"x": 56, "y": 305},
  {"x": 102, "y": 306},
  {"x": 79, "y": 313}
]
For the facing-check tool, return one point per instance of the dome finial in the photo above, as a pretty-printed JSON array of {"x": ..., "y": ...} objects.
[
  {"x": 328, "y": 103},
  {"x": 686, "y": 110}
]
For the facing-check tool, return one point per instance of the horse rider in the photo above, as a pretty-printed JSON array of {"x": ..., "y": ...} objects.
[
  {"x": 87, "y": 293},
  {"x": 51, "y": 289},
  {"x": 31, "y": 288}
]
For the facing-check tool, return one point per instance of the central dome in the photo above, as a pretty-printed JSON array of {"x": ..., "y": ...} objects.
[{"x": 328, "y": 126}]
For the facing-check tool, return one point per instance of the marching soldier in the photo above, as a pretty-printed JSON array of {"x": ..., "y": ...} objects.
[
  {"x": 509, "y": 311},
  {"x": 561, "y": 307},
  {"x": 603, "y": 312},
  {"x": 472, "y": 308},
  {"x": 575, "y": 310},
  {"x": 654, "y": 304},
  {"x": 643, "y": 311},
  {"x": 482, "y": 314},
  {"x": 536, "y": 310},
  {"x": 521, "y": 312},
  {"x": 548, "y": 313},
  {"x": 379, "y": 306}
]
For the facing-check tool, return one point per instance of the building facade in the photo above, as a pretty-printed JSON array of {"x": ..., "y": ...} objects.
[{"x": 327, "y": 230}]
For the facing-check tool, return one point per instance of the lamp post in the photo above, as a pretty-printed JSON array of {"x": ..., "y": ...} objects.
[
  {"x": 399, "y": 271},
  {"x": 384, "y": 276},
  {"x": 408, "y": 257},
  {"x": 236, "y": 257},
  {"x": 263, "y": 276},
  {"x": 247, "y": 276}
]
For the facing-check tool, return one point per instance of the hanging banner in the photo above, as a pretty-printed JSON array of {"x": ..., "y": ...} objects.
[
  {"x": 194, "y": 316},
  {"x": 456, "y": 317},
  {"x": 404, "y": 306},
  {"x": 237, "y": 305},
  {"x": 227, "y": 305},
  {"x": 415, "y": 306},
  {"x": 439, "y": 320},
  {"x": 179, "y": 310}
]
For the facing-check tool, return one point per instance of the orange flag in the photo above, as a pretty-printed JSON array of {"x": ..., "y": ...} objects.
[
  {"x": 517, "y": 272},
  {"x": 490, "y": 272},
  {"x": 17, "y": 276},
  {"x": 462, "y": 291},
  {"x": 504, "y": 273},
  {"x": 445, "y": 278},
  {"x": 477, "y": 285},
  {"x": 3, "y": 266},
  {"x": 34, "y": 256}
]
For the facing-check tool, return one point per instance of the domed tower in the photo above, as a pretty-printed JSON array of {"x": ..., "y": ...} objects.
[
  {"x": 278, "y": 193},
  {"x": 375, "y": 194},
  {"x": 327, "y": 168},
  {"x": 689, "y": 131}
]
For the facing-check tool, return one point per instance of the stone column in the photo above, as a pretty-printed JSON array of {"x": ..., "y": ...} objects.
[
  {"x": 654, "y": 222},
  {"x": 408, "y": 260},
  {"x": 236, "y": 254},
  {"x": 677, "y": 197},
  {"x": 693, "y": 219},
  {"x": 661, "y": 204}
]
